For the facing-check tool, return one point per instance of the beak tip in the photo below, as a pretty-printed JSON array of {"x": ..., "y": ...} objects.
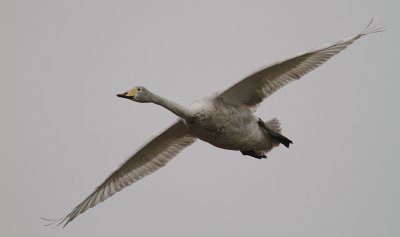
[{"x": 123, "y": 95}]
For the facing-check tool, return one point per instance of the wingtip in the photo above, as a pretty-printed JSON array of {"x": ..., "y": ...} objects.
[
  {"x": 54, "y": 222},
  {"x": 372, "y": 29}
]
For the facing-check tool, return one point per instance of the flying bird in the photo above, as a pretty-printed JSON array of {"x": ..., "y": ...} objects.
[{"x": 224, "y": 119}]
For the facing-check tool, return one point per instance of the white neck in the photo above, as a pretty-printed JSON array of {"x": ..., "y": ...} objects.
[{"x": 175, "y": 108}]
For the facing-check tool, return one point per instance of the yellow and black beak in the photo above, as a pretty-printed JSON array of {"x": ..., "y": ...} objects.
[
  {"x": 124, "y": 95},
  {"x": 128, "y": 95}
]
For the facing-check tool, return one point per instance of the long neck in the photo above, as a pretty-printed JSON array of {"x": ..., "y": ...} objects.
[{"x": 175, "y": 108}]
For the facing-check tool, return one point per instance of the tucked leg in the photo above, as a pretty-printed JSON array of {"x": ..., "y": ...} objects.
[
  {"x": 276, "y": 136},
  {"x": 253, "y": 154}
]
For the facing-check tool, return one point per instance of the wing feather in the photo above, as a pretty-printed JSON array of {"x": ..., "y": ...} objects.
[
  {"x": 154, "y": 155},
  {"x": 255, "y": 88}
]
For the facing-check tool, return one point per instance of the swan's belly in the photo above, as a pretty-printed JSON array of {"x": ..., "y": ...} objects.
[{"x": 230, "y": 131}]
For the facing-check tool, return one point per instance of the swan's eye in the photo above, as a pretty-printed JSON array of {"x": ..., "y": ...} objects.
[{"x": 138, "y": 89}]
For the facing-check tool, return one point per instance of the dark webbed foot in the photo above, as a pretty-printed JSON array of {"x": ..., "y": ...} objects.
[
  {"x": 253, "y": 154},
  {"x": 276, "y": 136}
]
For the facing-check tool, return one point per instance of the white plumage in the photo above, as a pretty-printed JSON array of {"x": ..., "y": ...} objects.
[{"x": 225, "y": 120}]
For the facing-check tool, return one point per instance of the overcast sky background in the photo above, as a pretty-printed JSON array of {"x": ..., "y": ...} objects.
[{"x": 63, "y": 130}]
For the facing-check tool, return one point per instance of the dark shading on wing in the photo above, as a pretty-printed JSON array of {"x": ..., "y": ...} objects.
[{"x": 152, "y": 156}]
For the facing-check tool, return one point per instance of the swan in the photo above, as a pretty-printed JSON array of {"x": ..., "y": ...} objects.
[{"x": 225, "y": 120}]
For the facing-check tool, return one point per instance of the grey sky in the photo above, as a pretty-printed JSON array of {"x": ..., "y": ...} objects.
[{"x": 63, "y": 130}]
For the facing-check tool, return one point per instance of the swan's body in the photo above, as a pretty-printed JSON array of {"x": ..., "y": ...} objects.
[
  {"x": 225, "y": 120},
  {"x": 226, "y": 126}
]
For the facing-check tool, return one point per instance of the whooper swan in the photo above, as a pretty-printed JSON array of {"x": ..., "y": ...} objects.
[{"x": 225, "y": 120}]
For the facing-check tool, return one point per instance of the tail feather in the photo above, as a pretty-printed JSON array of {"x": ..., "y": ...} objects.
[{"x": 274, "y": 125}]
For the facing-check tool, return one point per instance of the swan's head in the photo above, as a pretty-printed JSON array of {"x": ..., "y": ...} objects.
[{"x": 138, "y": 94}]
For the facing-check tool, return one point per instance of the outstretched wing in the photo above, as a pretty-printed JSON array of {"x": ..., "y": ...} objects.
[
  {"x": 255, "y": 88},
  {"x": 145, "y": 161}
]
